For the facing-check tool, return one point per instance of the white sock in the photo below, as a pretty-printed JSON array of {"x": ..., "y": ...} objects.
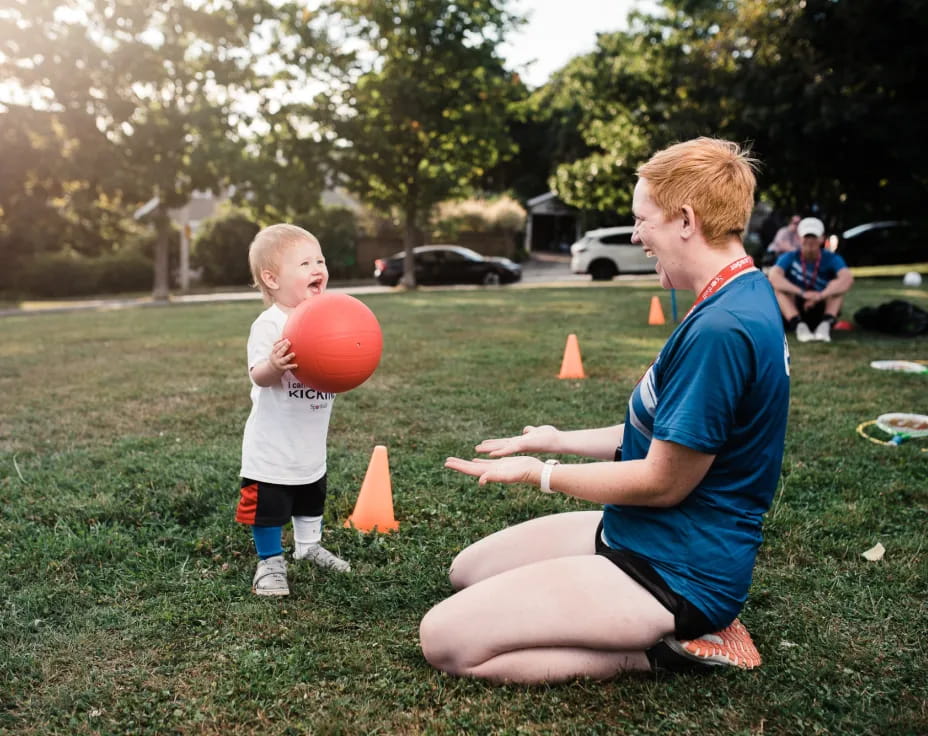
[{"x": 307, "y": 531}]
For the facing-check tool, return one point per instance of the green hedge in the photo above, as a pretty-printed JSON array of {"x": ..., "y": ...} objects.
[
  {"x": 221, "y": 246},
  {"x": 67, "y": 274},
  {"x": 337, "y": 231},
  {"x": 124, "y": 271},
  {"x": 221, "y": 250}
]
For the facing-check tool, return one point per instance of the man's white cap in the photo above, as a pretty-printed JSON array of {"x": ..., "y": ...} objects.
[{"x": 811, "y": 226}]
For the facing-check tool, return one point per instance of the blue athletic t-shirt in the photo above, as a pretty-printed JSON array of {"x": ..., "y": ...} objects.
[
  {"x": 720, "y": 385},
  {"x": 808, "y": 278}
]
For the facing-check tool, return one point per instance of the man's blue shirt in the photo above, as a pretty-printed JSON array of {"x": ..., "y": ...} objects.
[{"x": 811, "y": 275}]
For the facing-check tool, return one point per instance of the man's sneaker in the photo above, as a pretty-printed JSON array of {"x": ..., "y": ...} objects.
[
  {"x": 271, "y": 577},
  {"x": 319, "y": 555},
  {"x": 803, "y": 333},
  {"x": 823, "y": 331},
  {"x": 732, "y": 647}
]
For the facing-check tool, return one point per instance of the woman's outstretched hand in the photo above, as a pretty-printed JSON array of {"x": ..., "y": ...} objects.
[
  {"x": 521, "y": 469},
  {"x": 532, "y": 439}
]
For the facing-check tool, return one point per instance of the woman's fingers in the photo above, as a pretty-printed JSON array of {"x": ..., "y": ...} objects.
[
  {"x": 499, "y": 447},
  {"x": 477, "y": 466},
  {"x": 504, "y": 470},
  {"x": 532, "y": 439}
]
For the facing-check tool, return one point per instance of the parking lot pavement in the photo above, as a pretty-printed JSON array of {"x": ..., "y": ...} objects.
[{"x": 545, "y": 267}]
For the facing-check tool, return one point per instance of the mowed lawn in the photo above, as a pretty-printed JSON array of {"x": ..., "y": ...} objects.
[{"x": 125, "y": 600}]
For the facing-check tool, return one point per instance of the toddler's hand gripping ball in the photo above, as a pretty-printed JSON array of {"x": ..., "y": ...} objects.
[{"x": 337, "y": 341}]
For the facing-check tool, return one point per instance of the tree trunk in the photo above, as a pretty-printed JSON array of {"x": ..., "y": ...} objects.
[
  {"x": 160, "y": 290},
  {"x": 410, "y": 238}
]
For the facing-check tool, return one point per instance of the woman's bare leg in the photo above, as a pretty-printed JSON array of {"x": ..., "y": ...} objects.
[
  {"x": 547, "y": 621},
  {"x": 544, "y": 538}
]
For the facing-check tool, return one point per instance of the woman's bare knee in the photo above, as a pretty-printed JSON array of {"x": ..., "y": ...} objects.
[
  {"x": 439, "y": 641},
  {"x": 463, "y": 571}
]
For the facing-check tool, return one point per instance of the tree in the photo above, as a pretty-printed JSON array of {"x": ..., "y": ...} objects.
[
  {"x": 285, "y": 167},
  {"x": 33, "y": 179},
  {"x": 827, "y": 93},
  {"x": 833, "y": 96},
  {"x": 221, "y": 249},
  {"x": 145, "y": 88},
  {"x": 422, "y": 112},
  {"x": 540, "y": 142},
  {"x": 637, "y": 92},
  {"x": 288, "y": 160}
]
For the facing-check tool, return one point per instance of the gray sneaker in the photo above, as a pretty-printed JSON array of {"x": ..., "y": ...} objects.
[
  {"x": 803, "y": 333},
  {"x": 319, "y": 555},
  {"x": 271, "y": 577},
  {"x": 823, "y": 332}
]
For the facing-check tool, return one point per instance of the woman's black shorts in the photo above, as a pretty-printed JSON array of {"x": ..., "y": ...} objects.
[{"x": 689, "y": 621}]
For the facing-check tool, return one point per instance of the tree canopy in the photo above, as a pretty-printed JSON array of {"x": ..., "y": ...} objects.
[
  {"x": 106, "y": 103},
  {"x": 825, "y": 91},
  {"x": 137, "y": 96},
  {"x": 422, "y": 113}
]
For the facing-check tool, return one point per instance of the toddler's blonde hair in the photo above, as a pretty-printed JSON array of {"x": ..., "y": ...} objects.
[{"x": 265, "y": 250}]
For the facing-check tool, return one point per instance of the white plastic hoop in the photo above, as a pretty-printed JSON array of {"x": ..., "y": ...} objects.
[
  {"x": 903, "y": 366},
  {"x": 913, "y": 425}
]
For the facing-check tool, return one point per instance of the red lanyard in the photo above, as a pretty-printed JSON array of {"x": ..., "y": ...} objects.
[
  {"x": 723, "y": 277},
  {"x": 745, "y": 263},
  {"x": 802, "y": 262}
]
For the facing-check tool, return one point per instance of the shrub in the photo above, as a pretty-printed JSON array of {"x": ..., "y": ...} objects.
[
  {"x": 60, "y": 274},
  {"x": 507, "y": 215},
  {"x": 67, "y": 274},
  {"x": 221, "y": 249},
  {"x": 337, "y": 231},
  {"x": 125, "y": 270},
  {"x": 452, "y": 218}
]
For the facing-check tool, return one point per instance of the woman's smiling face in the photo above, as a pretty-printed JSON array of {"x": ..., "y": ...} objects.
[{"x": 655, "y": 233}]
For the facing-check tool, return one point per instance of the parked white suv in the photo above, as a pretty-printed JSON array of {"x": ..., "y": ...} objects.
[{"x": 609, "y": 251}]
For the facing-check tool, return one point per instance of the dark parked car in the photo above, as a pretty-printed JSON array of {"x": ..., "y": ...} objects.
[
  {"x": 882, "y": 243},
  {"x": 448, "y": 264}
]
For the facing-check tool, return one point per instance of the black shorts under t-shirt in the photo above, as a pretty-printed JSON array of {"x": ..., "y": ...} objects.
[
  {"x": 272, "y": 504},
  {"x": 689, "y": 621}
]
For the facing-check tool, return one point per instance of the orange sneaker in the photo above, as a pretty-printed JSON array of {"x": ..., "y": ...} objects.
[{"x": 731, "y": 646}]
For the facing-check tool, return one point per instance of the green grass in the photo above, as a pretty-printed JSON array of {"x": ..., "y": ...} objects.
[{"x": 126, "y": 603}]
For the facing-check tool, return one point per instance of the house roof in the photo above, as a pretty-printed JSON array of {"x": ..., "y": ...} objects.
[{"x": 549, "y": 204}]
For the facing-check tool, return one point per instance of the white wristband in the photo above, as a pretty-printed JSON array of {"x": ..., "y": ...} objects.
[{"x": 545, "y": 484}]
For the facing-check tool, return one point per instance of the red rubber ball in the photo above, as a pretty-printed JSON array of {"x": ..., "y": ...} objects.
[{"x": 337, "y": 342}]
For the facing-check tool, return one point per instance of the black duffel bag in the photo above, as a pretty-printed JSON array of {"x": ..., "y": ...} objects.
[{"x": 897, "y": 317}]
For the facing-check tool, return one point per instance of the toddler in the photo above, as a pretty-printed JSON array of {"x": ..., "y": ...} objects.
[{"x": 284, "y": 443}]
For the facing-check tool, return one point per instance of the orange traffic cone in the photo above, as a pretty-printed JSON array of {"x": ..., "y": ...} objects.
[
  {"x": 656, "y": 315},
  {"x": 572, "y": 365},
  {"x": 374, "y": 508}
]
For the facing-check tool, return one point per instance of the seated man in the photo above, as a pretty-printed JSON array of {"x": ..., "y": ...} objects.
[{"x": 810, "y": 284}]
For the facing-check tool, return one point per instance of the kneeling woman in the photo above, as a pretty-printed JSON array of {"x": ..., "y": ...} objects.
[{"x": 684, "y": 481}]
